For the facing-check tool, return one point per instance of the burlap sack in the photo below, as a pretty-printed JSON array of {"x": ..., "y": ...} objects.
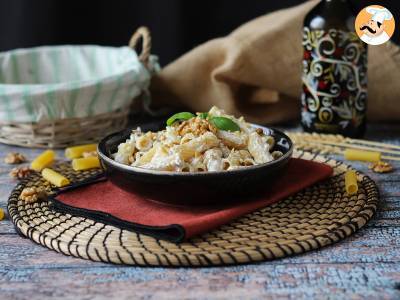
[{"x": 256, "y": 72}]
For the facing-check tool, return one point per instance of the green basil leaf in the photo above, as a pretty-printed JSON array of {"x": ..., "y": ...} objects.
[
  {"x": 224, "y": 124},
  {"x": 179, "y": 117},
  {"x": 203, "y": 115}
]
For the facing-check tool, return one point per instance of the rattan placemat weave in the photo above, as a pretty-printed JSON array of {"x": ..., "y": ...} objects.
[{"x": 318, "y": 216}]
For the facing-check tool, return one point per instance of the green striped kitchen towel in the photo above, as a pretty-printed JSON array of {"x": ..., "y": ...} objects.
[{"x": 57, "y": 82}]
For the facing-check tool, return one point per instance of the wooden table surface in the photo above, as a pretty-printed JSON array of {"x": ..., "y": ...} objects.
[{"x": 366, "y": 265}]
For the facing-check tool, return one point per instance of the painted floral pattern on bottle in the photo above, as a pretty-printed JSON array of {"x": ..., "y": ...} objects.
[{"x": 334, "y": 79}]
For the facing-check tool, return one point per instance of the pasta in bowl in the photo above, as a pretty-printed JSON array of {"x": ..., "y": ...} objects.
[
  {"x": 206, "y": 142},
  {"x": 196, "y": 158}
]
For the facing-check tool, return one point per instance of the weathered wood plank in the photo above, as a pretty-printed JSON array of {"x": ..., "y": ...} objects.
[
  {"x": 395, "y": 222},
  {"x": 6, "y": 227},
  {"x": 369, "y": 245},
  {"x": 300, "y": 281}
]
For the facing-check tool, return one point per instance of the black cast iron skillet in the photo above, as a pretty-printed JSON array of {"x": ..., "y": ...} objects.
[{"x": 184, "y": 188}]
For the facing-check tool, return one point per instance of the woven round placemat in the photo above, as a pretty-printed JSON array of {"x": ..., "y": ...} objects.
[{"x": 318, "y": 216}]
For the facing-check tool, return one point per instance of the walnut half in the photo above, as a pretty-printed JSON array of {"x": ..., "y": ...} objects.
[
  {"x": 381, "y": 167},
  {"x": 14, "y": 158},
  {"x": 32, "y": 194},
  {"x": 20, "y": 173}
]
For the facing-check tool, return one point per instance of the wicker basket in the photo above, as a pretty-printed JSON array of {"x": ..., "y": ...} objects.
[{"x": 64, "y": 132}]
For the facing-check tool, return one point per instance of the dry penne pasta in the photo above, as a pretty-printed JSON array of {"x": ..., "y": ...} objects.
[
  {"x": 362, "y": 155},
  {"x": 77, "y": 151},
  {"x": 54, "y": 177},
  {"x": 45, "y": 159},
  {"x": 350, "y": 180},
  {"x": 80, "y": 164},
  {"x": 210, "y": 142}
]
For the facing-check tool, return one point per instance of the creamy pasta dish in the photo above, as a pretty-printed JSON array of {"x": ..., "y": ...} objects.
[{"x": 205, "y": 142}]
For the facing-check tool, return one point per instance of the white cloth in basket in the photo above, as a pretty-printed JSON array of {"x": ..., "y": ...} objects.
[{"x": 58, "y": 82}]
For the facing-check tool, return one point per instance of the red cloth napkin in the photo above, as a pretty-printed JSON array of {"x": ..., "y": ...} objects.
[{"x": 108, "y": 203}]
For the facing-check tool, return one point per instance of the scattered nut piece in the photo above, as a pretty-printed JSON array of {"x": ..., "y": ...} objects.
[
  {"x": 32, "y": 194},
  {"x": 381, "y": 167},
  {"x": 14, "y": 158},
  {"x": 20, "y": 173},
  {"x": 89, "y": 154},
  {"x": 260, "y": 131},
  {"x": 276, "y": 154}
]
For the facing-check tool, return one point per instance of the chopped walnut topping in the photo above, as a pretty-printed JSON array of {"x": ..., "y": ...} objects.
[
  {"x": 21, "y": 173},
  {"x": 14, "y": 158},
  {"x": 89, "y": 154},
  {"x": 197, "y": 126},
  {"x": 381, "y": 167},
  {"x": 151, "y": 135},
  {"x": 32, "y": 194}
]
